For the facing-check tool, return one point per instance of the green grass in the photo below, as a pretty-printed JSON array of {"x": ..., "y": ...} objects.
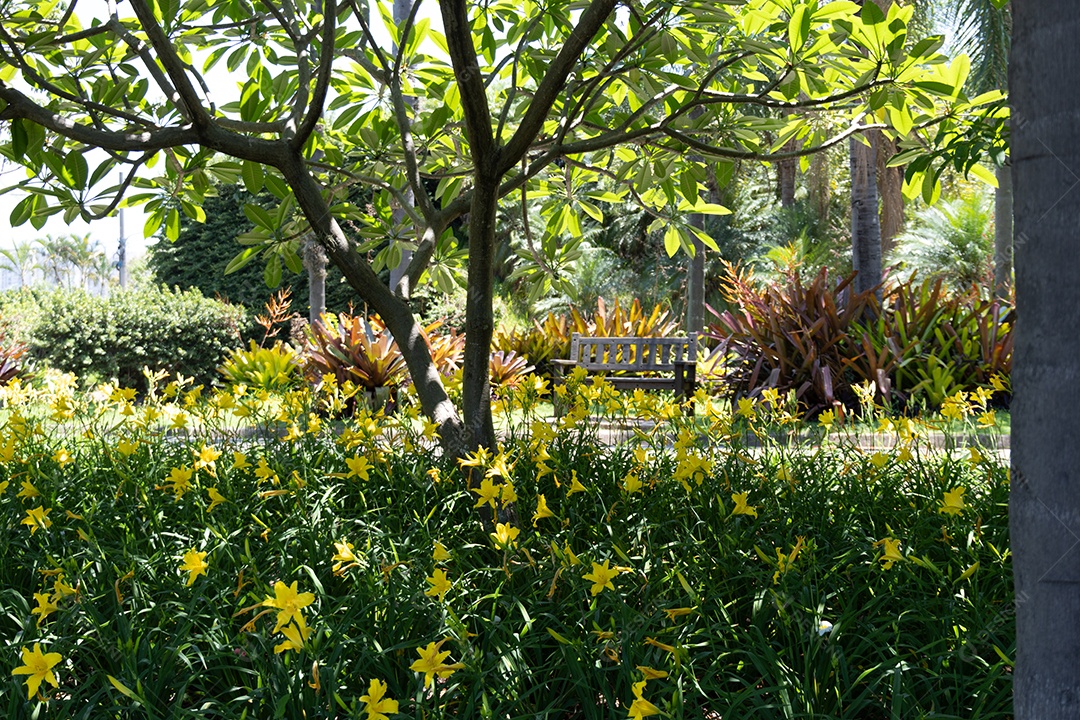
[{"x": 923, "y": 638}]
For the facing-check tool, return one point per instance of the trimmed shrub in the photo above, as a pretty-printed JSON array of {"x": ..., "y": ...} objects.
[{"x": 116, "y": 336}]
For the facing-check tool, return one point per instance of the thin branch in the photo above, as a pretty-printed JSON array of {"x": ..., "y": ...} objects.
[
  {"x": 398, "y": 194},
  {"x": 528, "y": 230},
  {"x": 589, "y": 23},
  {"x": 186, "y": 96},
  {"x": 719, "y": 151},
  {"x": 322, "y": 81},
  {"x": 123, "y": 188},
  {"x": 399, "y": 56},
  {"x": 471, "y": 86},
  {"x": 365, "y": 28}
]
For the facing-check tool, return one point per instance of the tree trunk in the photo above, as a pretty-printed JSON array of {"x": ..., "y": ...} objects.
[
  {"x": 819, "y": 186},
  {"x": 1044, "y": 506},
  {"x": 890, "y": 185},
  {"x": 479, "y": 315},
  {"x": 394, "y": 311},
  {"x": 865, "y": 224},
  {"x": 785, "y": 176},
  {"x": 314, "y": 258},
  {"x": 695, "y": 284},
  {"x": 1003, "y": 232}
]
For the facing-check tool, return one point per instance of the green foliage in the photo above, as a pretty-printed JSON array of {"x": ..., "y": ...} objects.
[
  {"x": 116, "y": 336},
  {"x": 202, "y": 251},
  {"x": 274, "y": 368},
  {"x": 951, "y": 240},
  {"x": 836, "y": 630}
]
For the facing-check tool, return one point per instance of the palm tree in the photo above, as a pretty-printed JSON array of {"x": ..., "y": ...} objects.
[
  {"x": 983, "y": 31},
  {"x": 19, "y": 260}
]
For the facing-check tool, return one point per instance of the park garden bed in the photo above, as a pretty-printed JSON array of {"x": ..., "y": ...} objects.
[{"x": 216, "y": 575}]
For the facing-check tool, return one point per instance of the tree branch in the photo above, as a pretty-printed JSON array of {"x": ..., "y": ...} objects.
[
  {"x": 590, "y": 22},
  {"x": 186, "y": 97},
  {"x": 322, "y": 81},
  {"x": 719, "y": 151},
  {"x": 123, "y": 188},
  {"x": 471, "y": 85}
]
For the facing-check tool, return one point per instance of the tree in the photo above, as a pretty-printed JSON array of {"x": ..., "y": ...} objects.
[
  {"x": 1044, "y": 505},
  {"x": 19, "y": 260},
  {"x": 509, "y": 98},
  {"x": 984, "y": 30}
]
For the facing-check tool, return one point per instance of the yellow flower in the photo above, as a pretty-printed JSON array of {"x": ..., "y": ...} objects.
[
  {"x": 4, "y": 486},
  {"x": 61, "y": 589},
  {"x": 216, "y": 498},
  {"x": 288, "y": 602},
  {"x": 28, "y": 490},
  {"x": 358, "y": 467},
  {"x": 746, "y": 408},
  {"x": 62, "y": 457},
  {"x": 344, "y": 558},
  {"x": 631, "y": 484},
  {"x": 195, "y": 564},
  {"x": 206, "y": 457},
  {"x": 240, "y": 461},
  {"x": 488, "y": 493},
  {"x": 892, "y": 552},
  {"x": 439, "y": 553},
  {"x": 38, "y": 667},
  {"x": 264, "y": 472},
  {"x": 879, "y": 460},
  {"x": 505, "y": 535},
  {"x": 431, "y": 663},
  {"x": 295, "y": 635},
  {"x": 953, "y": 503},
  {"x": 827, "y": 419},
  {"x": 570, "y": 556},
  {"x": 180, "y": 481},
  {"x": 575, "y": 484},
  {"x": 641, "y": 707},
  {"x": 37, "y": 518},
  {"x": 508, "y": 494},
  {"x": 542, "y": 509},
  {"x": 439, "y": 584},
  {"x": 46, "y": 606},
  {"x": 378, "y": 706},
  {"x": 127, "y": 447},
  {"x": 652, "y": 673},
  {"x": 741, "y": 508},
  {"x": 601, "y": 577},
  {"x": 657, "y": 644}
]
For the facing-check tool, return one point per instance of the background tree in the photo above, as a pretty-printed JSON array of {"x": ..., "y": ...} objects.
[
  {"x": 21, "y": 260},
  {"x": 509, "y": 99}
]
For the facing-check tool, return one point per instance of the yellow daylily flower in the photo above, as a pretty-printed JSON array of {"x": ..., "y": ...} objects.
[
  {"x": 891, "y": 554},
  {"x": 288, "y": 602},
  {"x": 953, "y": 502},
  {"x": 440, "y": 585},
  {"x": 216, "y": 498},
  {"x": 378, "y": 706},
  {"x": 601, "y": 577},
  {"x": 38, "y": 667},
  {"x": 344, "y": 558},
  {"x": 28, "y": 491},
  {"x": 631, "y": 484},
  {"x": 575, "y": 484},
  {"x": 295, "y": 635},
  {"x": 741, "y": 508},
  {"x": 46, "y": 605},
  {"x": 641, "y": 708},
  {"x": 37, "y": 518},
  {"x": 652, "y": 673},
  {"x": 358, "y": 467},
  {"x": 439, "y": 553},
  {"x": 488, "y": 493},
  {"x": 542, "y": 509},
  {"x": 194, "y": 564},
  {"x": 505, "y": 535},
  {"x": 431, "y": 663},
  {"x": 240, "y": 461}
]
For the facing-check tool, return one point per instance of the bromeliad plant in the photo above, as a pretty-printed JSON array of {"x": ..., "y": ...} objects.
[
  {"x": 354, "y": 350},
  {"x": 276, "y": 368}
]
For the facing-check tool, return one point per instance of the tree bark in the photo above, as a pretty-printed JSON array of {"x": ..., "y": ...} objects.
[
  {"x": 1003, "y": 232},
  {"x": 890, "y": 186},
  {"x": 786, "y": 171},
  {"x": 865, "y": 224},
  {"x": 695, "y": 284},
  {"x": 314, "y": 258},
  {"x": 479, "y": 314},
  {"x": 1044, "y": 505}
]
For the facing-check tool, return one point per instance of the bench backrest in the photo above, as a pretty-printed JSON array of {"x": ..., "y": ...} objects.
[{"x": 634, "y": 354}]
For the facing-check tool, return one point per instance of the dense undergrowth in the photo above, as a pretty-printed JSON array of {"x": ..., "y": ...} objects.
[{"x": 154, "y": 547}]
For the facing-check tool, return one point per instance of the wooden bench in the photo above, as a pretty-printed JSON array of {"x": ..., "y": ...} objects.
[{"x": 635, "y": 356}]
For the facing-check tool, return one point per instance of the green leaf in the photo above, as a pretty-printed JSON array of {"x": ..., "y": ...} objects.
[
  {"x": 259, "y": 216},
  {"x": 19, "y": 138},
  {"x": 799, "y": 28},
  {"x": 242, "y": 258},
  {"x": 292, "y": 261},
  {"x": 982, "y": 173},
  {"x": 252, "y": 173},
  {"x": 871, "y": 14},
  {"x": 172, "y": 224},
  {"x": 672, "y": 240},
  {"x": 558, "y": 638},
  {"x": 272, "y": 274},
  {"x": 153, "y": 223},
  {"x": 23, "y": 210}
]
